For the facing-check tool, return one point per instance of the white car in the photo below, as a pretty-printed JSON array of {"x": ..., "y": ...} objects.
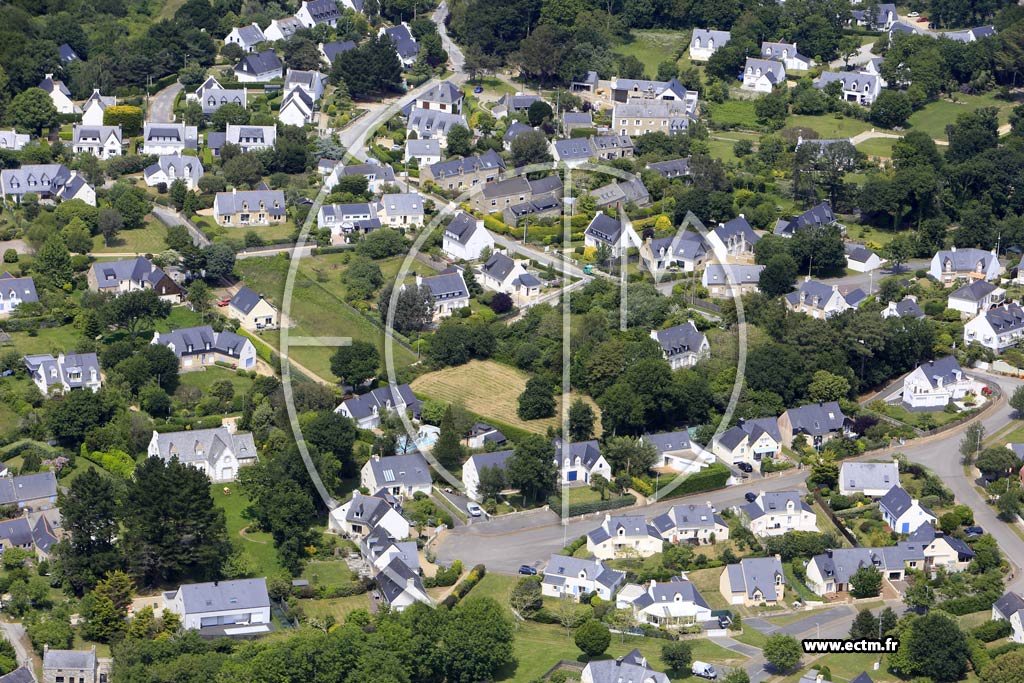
[
  {"x": 474, "y": 510},
  {"x": 914, "y": 14}
]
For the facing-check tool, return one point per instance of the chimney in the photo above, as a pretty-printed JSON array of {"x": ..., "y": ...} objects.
[
  {"x": 829, "y": 553},
  {"x": 46, "y": 648},
  {"x": 654, "y": 583},
  {"x": 234, "y": 190},
  {"x": 216, "y": 583},
  {"x": 913, "y": 501},
  {"x": 778, "y": 557},
  {"x": 376, "y": 457},
  {"x": 953, "y": 248}
]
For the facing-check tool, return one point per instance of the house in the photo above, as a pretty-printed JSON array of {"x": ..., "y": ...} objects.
[
  {"x": 774, "y": 513},
  {"x": 937, "y": 383},
  {"x": 482, "y": 435},
  {"x": 348, "y": 220},
  {"x": 92, "y": 110},
  {"x": 65, "y": 372},
  {"x": 401, "y": 586},
  {"x": 539, "y": 206},
  {"x": 668, "y": 604},
  {"x": 218, "y": 453},
  {"x": 673, "y": 168},
  {"x": 729, "y": 281},
  {"x": 704, "y": 43},
  {"x": 639, "y": 117},
  {"x": 787, "y": 54},
  {"x": 362, "y": 514},
  {"x": 259, "y": 67},
  {"x": 214, "y": 98},
  {"x": 198, "y": 347},
  {"x": 502, "y": 274},
  {"x": 621, "y": 192},
  {"x": 465, "y": 238},
  {"x": 60, "y": 95},
  {"x": 683, "y": 345},
  {"x": 819, "y": 216},
  {"x": 401, "y": 210},
  {"x": 902, "y": 513},
  {"x": 405, "y": 45},
  {"x": 475, "y": 464},
  {"x": 950, "y": 265},
  {"x": 246, "y": 37},
  {"x": 514, "y": 130},
  {"x": 248, "y": 138},
  {"x": 997, "y": 328},
  {"x": 47, "y": 181},
  {"x": 609, "y": 232},
  {"x": 856, "y": 86},
  {"x": 400, "y": 475},
  {"x": 67, "y": 53},
  {"x": 632, "y": 667},
  {"x": 630, "y": 89},
  {"x": 817, "y": 423},
  {"x": 377, "y": 175},
  {"x": 623, "y": 536},
  {"x": 872, "y": 479},
  {"x": 861, "y": 259},
  {"x": 282, "y": 29},
  {"x": 686, "y": 251},
  {"x": 13, "y": 140},
  {"x": 314, "y": 12},
  {"x": 129, "y": 275},
  {"x": 367, "y": 408},
  {"x": 312, "y": 83},
  {"x": 425, "y": 152},
  {"x": 168, "y": 138},
  {"x": 831, "y": 571},
  {"x": 733, "y": 240},
  {"x": 905, "y": 308},
  {"x": 750, "y": 441},
  {"x": 15, "y": 291},
  {"x": 442, "y": 97},
  {"x": 330, "y": 51},
  {"x": 588, "y": 84},
  {"x": 572, "y": 152},
  {"x": 379, "y": 547},
  {"x": 573, "y": 120},
  {"x": 762, "y": 75},
  {"x": 432, "y": 124},
  {"x": 612, "y": 146},
  {"x": 885, "y": 16},
  {"x": 240, "y": 607},
  {"x": 171, "y": 167},
  {"x": 449, "y": 291},
  {"x": 696, "y": 524},
  {"x": 456, "y": 174},
  {"x": 676, "y": 452},
  {"x": 30, "y": 491},
  {"x": 103, "y": 142},
  {"x": 822, "y": 301},
  {"x": 249, "y": 207},
  {"x": 35, "y": 535},
  {"x": 942, "y": 551},
  {"x": 1010, "y": 608},
  {"x": 570, "y": 577},
  {"x": 581, "y": 463},
  {"x": 253, "y": 311},
  {"x": 973, "y": 298},
  {"x": 210, "y": 83},
  {"x": 754, "y": 581},
  {"x": 74, "y": 666},
  {"x": 513, "y": 104}
]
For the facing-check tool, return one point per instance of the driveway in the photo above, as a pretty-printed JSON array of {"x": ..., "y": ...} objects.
[
  {"x": 171, "y": 217},
  {"x": 161, "y": 105},
  {"x": 871, "y": 280}
]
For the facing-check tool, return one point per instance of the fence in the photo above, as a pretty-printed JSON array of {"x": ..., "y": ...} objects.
[{"x": 835, "y": 520}]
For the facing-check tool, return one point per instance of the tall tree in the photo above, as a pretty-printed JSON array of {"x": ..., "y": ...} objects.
[
  {"x": 53, "y": 262},
  {"x": 448, "y": 449},
  {"x": 581, "y": 420},
  {"x": 532, "y": 469},
  {"x": 355, "y": 363},
  {"x": 89, "y": 513}
]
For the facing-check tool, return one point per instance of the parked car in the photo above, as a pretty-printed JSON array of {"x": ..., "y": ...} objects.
[
  {"x": 750, "y": 496},
  {"x": 744, "y": 466},
  {"x": 478, "y": 89},
  {"x": 914, "y": 14},
  {"x": 224, "y": 302},
  {"x": 527, "y": 570},
  {"x": 974, "y": 531},
  {"x": 474, "y": 510},
  {"x": 724, "y": 621},
  {"x": 704, "y": 670}
]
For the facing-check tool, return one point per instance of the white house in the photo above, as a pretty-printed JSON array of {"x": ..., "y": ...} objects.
[
  {"x": 754, "y": 581},
  {"x": 49, "y": 182},
  {"x": 366, "y": 409},
  {"x": 787, "y": 54},
  {"x": 816, "y": 423},
  {"x": 571, "y": 577},
  {"x": 774, "y": 513},
  {"x": 103, "y": 142},
  {"x": 129, "y": 275},
  {"x": 856, "y": 86},
  {"x": 973, "y": 298},
  {"x": 222, "y": 608},
  {"x": 60, "y": 95},
  {"x": 685, "y": 252},
  {"x": 502, "y": 274},
  {"x": 731, "y": 280},
  {"x": 902, "y": 513},
  {"x": 831, "y": 572},
  {"x": 217, "y": 452},
  {"x": 425, "y": 152},
  {"x": 705, "y": 42},
  {"x": 683, "y": 346},
  {"x": 249, "y": 207},
  {"x": 448, "y": 290},
  {"x": 750, "y": 441},
  {"x": 171, "y": 167},
  {"x": 734, "y": 239},
  {"x": 607, "y": 231},
  {"x": 997, "y": 328},
  {"x": 92, "y": 110},
  {"x": 941, "y": 551},
  {"x": 581, "y": 463},
  {"x": 360, "y": 515},
  {"x": 15, "y": 291},
  {"x": 862, "y": 260},
  {"x": 822, "y": 301},
  {"x": 473, "y": 466},
  {"x": 950, "y": 265},
  {"x": 399, "y": 475},
  {"x": 168, "y": 138},
  {"x": 401, "y": 585},
  {"x": 624, "y": 536},
  {"x": 346, "y": 221},
  {"x": 13, "y": 140},
  {"x": 873, "y": 479},
  {"x": 762, "y": 75},
  {"x": 259, "y": 67},
  {"x": 200, "y": 347},
  {"x": 65, "y": 372},
  {"x": 282, "y": 29},
  {"x": 401, "y": 210},
  {"x": 246, "y": 37},
  {"x": 691, "y": 523},
  {"x": 933, "y": 385},
  {"x": 444, "y": 97},
  {"x": 677, "y": 452},
  {"x": 905, "y": 308},
  {"x": 1010, "y": 607},
  {"x": 632, "y": 667},
  {"x": 314, "y": 12},
  {"x": 253, "y": 311},
  {"x": 297, "y": 108},
  {"x": 668, "y": 604}
]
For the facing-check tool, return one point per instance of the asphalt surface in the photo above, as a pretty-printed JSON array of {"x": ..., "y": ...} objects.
[
  {"x": 161, "y": 105},
  {"x": 171, "y": 217}
]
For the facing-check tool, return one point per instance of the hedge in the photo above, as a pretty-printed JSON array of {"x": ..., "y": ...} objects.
[
  {"x": 180, "y": 424},
  {"x": 555, "y": 503},
  {"x": 968, "y": 604},
  {"x": 992, "y": 630},
  {"x": 473, "y": 578},
  {"x": 713, "y": 477},
  {"x": 492, "y": 223},
  {"x": 1003, "y": 649}
]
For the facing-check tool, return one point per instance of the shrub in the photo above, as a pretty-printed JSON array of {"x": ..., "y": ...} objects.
[
  {"x": 713, "y": 477},
  {"x": 555, "y": 503},
  {"x": 10, "y": 256},
  {"x": 992, "y": 630}
]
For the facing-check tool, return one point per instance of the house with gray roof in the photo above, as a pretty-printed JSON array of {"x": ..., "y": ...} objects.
[
  {"x": 612, "y": 146},
  {"x": 514, "y": 130},
  {"x": 171, "y": 167},
  {"x": 502, "y": 274},
  {"x": 763, "y": 75},
  {"x": 819, "y": 216},
  {"x": 129, "y": 275},
  {"x": 582, "y": 461},
  {"x": 465, "y": 237},
  {"x": 942, "y": 551},
  {"x": 750, "y": 440},
  {"x": 59, "y": 95},
  {"x": 673, "y": 168},
  {"x": 252, "y": 310},
  {"x": 249, "y": 207},
  {"x": 433, "y": 124},
  {"x": 282, "y": 29},
  {"x": 621, "y": 192},
  {"x": 13, "y": 140},
  {"x": 574, "y": 120},
  {"x": 362, "y": 515},
  {"x": 15, "y": 291},
  {"x": 483, "y": 435},
  {"x": 30, "y": 491},
  {"x": 624, "y": 536},
  {"x": 633, "y": 667},
  {"x": 513, "y": 104},
  {"x": 248, "y": 138},
  {"x": 401, "y": 210},
  {"x": 730, "y": 280},
  {"x": 884, "y": 17},
  {"x": 902, "y": 513},
  {"x": 459, "y": 173},
  {"x": 405, "y": 45},
  {"x": 733, "y": 239},
  {"x": 705, "y": 42},
  {"x": 425, "y": 152},
  {"x": 168, "y": 138},
  {"x": 400, "y": 585},
  {"x": 975, "y": 297},
  {"x": 855, "y": 86},
  {"x": 198, "y": 347},
  {"x": 330, "y": 51},
  {"x": 754, "y": 581},
  {"x": 860, "y": 259},
  {"x": 634, "y": 89},
  {"x": 997, "y": 329},
  {"x": 677, "y": 452},
  {"x": 237, "y": 608},
  {"x": 640, "y": 117},
  {"x": 822, "y": 301},
  {"x": 686, "y": 251},
  {"x": 366, "y": 409},
  {"x": 400, "y": 475},
  {"x": 905, "y": 308},
  {"x": 93, "y": 108},
  {"x": 449, "y": 291},
  {"x": 872, "y": 479},
  {"x": 539, "y": 206},
  {"x": 27, "y": 534},
  {"x": 65, "y": 372},
  {"x": 103, "y": 142},
  {"x": 671, "y": 604},
  {"x": 444, "y": 97},
  {"x": 79, "y": 666},
  {"x": 571, "y": 577},
  {"x": 935, "y": 384},
  {"x": 787, "y": 54},
  {"x": 218, "y": 453},
  {"x": 774, "y": 513},
  {"x": 377, "y": 174},
  {"x": 1006, "y": 606},
  {"x": 67, "y": 55},
  {"x": 312, "y": 83},
  {"x": 259, "y": 67},
  {"x": 692, "y": 523},
  {"x": 246, "y": 37},
  {"x": 315, "y": 12},
  {"x": 572, "y": 152},
  {"x": 830, "y": 572},
  {"x": 475, "y": 464},
  {"x": 816, "y": 422},
  {"x": 298, "y": 108},
  {"x": 47, "y": 181},
  {"x": 215, "y": 98},
  {"x": 607, "y": 231},
  {"x": 683, "y": 346}
]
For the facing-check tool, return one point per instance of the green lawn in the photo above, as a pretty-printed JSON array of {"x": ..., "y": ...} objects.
[
  {"x": 846, "y": 667},
  {"x": 494, "y": 85},
  {"x": 204, "y": 379},
  {"x": 732, "y": 113},
  {"x": 257, "y": 547},
  {"x": 148, "y": 239},
  {"x": 327, "y": 573},
  {"x": 750, "y": 636},
  {"x": 935, "y": 116},
  {"x": 46, "y": 340},
  {"x": 931, "y": 419},
  {"x": 220, "y": 233},
  {"x": 829, "y": 126},
  {"x": 336, "y": 607},
  {"x": 802, "y": 591},
  {"x": 653, "y": 47},
  {"x": 974, "y": 619},
  {"x": 878, "y": 147}
]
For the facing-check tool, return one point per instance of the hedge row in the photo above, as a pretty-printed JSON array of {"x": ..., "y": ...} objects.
[
  {"x": 992, "y": 630},
  {"x": 708, "y": 479},
  {"x": 473, "y": 578},
  {"x": 969, "y": 604},
  {"x": 555, "y": 503},
  {"x": 179, "y": 424}
]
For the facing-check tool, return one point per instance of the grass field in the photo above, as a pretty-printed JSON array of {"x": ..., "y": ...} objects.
[
  {"x": 336, "y": 607},
  {"x": 148, "y": 239},
  {"x": 652, "y": 48},
  {"x": 256, "y": 547},
  {"x": 204, "y": 379},
  {"x": 878, "y": 147},
  {"x": 488, "y": 389},
  {"x": 829, "y": 126},
  {"x": 732, "y": 113},
  {"x": 935, "y": 116}
]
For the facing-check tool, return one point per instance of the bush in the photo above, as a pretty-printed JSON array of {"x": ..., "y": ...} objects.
[
  {"x": 448, "y": 576},
  {"x": 555, "y": 503},
  {"x": 993, "y": 630},
  {"x": 10, "y": 256},
  {"x": 473, "y": 578},
  {"x": 574, "y": 546},
  {"x": 713, "y": 477}
]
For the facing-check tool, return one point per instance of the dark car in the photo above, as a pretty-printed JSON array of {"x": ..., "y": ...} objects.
[
  {"x": 974, "y": 531},
  {"x": 744, "y": 467},
  {"x": 527, "y": 570},
  {"x": 750, "y": 496},
  {"x": 478, "y": 89}
]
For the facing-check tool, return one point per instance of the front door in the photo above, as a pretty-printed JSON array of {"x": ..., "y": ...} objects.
[{"x": 571, "y": 475}]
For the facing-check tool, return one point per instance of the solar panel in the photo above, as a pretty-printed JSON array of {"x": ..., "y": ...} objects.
[{"x": 389, "y": 475}]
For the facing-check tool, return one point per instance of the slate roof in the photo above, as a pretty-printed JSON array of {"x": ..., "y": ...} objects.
[
  {"x": 227, "y": 343},
  {"x": 245, "y": 300},
  {"x": 287, "y": 25},
  {"x": 514, "y": 130},
  {"x": 851, "y": 80},
  {"x": 632, "y": 190},
  {"x": 507, "y": 187},
  {"x": 81, "y": 363},
  {"x": 402, "y": 204},
  {"x": 184, "y": 166},
  {"x": 633, "y": 668},
  {"x": 396, "y": 578},
  {"x": 21, "y": 532},
  {"x": 250, "y": 135},
  {"x": 718, "y": 274},
  {"x": 673, "y": 168},
  {"x": 49, "y": 84},
  {"x": 69, "y": 659},
  {"x": 19, "y": 675},
  {"x": 442, "y": 93},
  {"x": 575, "y": 149},
  {"x": 817, "y": 216},
  {"x": 102, "y": 100},
  {"x": 432, "y": 121},
  {"x": 417, "y": 148},
  {"x": 517, "y": 102},
  {"x": 461, "y": 228},
  {"x": 67, "y": 55},
  {"x": 215, "y": 98},
  {"x": 223, "y": 596},
  {"x": 499, "y": 266},
  {"x": 259, "y": 63},
  {"x": 230, "y": 203},
  {"x": 368, "y": 510},
  {"x": 897, "y": 501},
  {"x": 251, "y": 34},
  {"x": 171, "y": 132},
  {"x": 574, "y": 118},
  {"x": 774, "y": 71},
  {"x": 497, "y": 459},
  {"x": 678, "y": 112},
  {"x": 862, "y": 677},
  {"x": 753, "y": 429},
  {"x": 378, "y": 171},
  {"x": 720, "y": 37},
  {"x": 322, "y": 10},
  {"x": 95, "y": 135},
  {"x": 881, "y": 17},
  {"x": 770, "y": 502},
  {"x": 587, "y": 451},
  {"x": 817, "y": 418},
  {"x": 489, "y": 160},
  {"x": 1007, "y": 318},
  {"x": 687, "y": 517},
  {"x": 27, "y": 487},
  {"x": 868, "y": 475},
  {"x": 562, "y": 566},
  {"x": 333, "y": 49},
  {"x": 926, "y": 534},
  {"x": 204, "y": 445},
  {"x": 667, "y": 442},
  {"x": 604, "y": 228},
  {"x": 859, "y": 254},
  {"x": 381, "y": 398},
  {"x": 771, "y": 50},
  {"x": 11, "y": 139},
  {"x": 684, "y": 338},
  {"x": 946, "y": 369},
  {"x": 755, "y": 573},
  {"x": 966, "y": 259},
  {"x": 1010, "y": 603},
  {"x": 405, "y": 44},
  {"x": 974, "y": 292},
  {"x": 841, "y": 564},
  {"x": 410, "y": 469},
  {"x": 23, "y": 288},
  {"x": 646, "y": 87},
  {"x": 665, "y": 592},
  {"x": 606, "y": 142},
  {"x": 632, "y": 526},
  {"x": 38, "y": 178},
  {"x": 446, "y": 286}
]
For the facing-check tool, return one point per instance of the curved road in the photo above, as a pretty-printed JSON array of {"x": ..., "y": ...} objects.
[{"x": 161, "y": 106}]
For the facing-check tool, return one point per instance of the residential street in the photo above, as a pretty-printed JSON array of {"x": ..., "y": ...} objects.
[
  {"x": 171, "y": 217},
  {"x": 161, "y": 105}
]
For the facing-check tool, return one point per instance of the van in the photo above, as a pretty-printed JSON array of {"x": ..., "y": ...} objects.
[{"x": 704, "y": 670}]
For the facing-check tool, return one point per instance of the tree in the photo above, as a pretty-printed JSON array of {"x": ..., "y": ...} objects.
[
  {"x": 530, "y": 147},
  {"x": 593, "y": 638},
  {"x": 865, "y": 625},
  {"x": 110, "y": 223},
  {"x": 369, "y": 69},
  {"x": 937, "y": 648},
  {"x": 362, "y": 278},
  {"x": 501, "y": 303},
  {"x": 220, "y": 261},
  {"x": 849, "y": 46},
  {"x": 448, "y": 450},
  {"x": 537, "y": 400},
  {"x": 678, "y": 656},
  {"x": 1006, "y": 668},
  {"x": 89, "y": 512},
  {"x": 525, "y": 598},
  {"x": 199, "y": 297},
  {"x": 866, "y": 582},
  {"x": 53, "y": 262},
  {"x": 1017, "y": 401},
  {"x": 899, "y": 251},
  {"x": 581, "y": 420},
  {"x": 355, "y": 363},
  {"x": 492, "y": 482},
  {"x": 772, "y": 109},
  {"x": 382, "y": 244},
  {"x": 736, "y": 675},
  {"x": 919, "y": 595},
  {"x": 243, "y": 170},
  {"x": 130, "y": 309},
  {"x": 778, "y": 275},
  {"x": 629, "y": 455},
  {"x": 997, "y": 462},
  {"x": 477, "y": 641},
  {"x": 891, "y": 109},
  {"x": 414, "y": 308},
  {"x": 888, "y": 620},
  {"x": 531, "y": 468},
  {"x": 229, "y": 113},
  {"x": 460, "y": 141},
  {"x": 970, "y": 444},
  {"x": 127, "y": 116},
  {"x": 826, "y": 386},
  {"x": 824, "y": 471},
  {"x": 32, "y": 110},
  {"x": 782, "y": 652},
  {"x": 105, "y": 609}
]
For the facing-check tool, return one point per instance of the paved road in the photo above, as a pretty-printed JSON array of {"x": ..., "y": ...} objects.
[
  {"x": 862, "y": 57},
  {"x": 871, "y": 280},
  {"x": 16, "y": 636},
  {"x": 171, "y": 217},
  {"x": 161, "y": 105}
]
